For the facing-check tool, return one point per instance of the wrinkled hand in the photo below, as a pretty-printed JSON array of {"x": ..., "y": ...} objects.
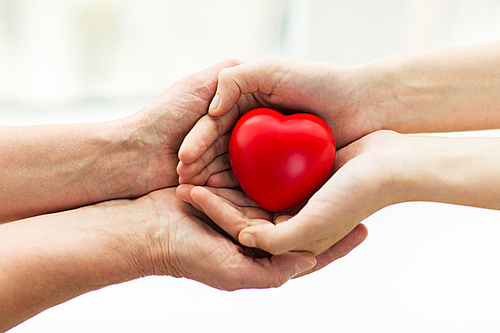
[
  {"x": 326, "y": 90},
  {"x": 361, "y": 185},
  {"x": 184, "y": 244},
  {"x": 234, "y": 211},
  {"x": 161, "y": 126}
]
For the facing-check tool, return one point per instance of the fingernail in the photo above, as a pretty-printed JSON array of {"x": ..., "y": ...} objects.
[
  {"x": 304, "y": 266},
  {"x": 215, "y": 103},
  {"x": 247, "y": 239}
]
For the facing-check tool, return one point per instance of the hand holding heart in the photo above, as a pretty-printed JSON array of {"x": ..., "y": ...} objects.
[
  {"x": 287, "y": 86},
  {"x": 234, "y": 211},
  {"x": 205, "y": 160},
  {"x": 407, "y": 93},
  {"x": 359, "y": 187}
]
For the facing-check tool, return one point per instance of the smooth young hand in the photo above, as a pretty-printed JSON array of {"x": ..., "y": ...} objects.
[
  {"x": 381, "y": 169},
  {"x": 451, "y": 89},
  {"x": 327, "y": 90},
  {"x": 356, "y": 190}
]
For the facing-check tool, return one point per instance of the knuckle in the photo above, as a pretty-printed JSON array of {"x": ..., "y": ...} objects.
[
  {"x": 207, "y": 157},
  {"x": 219, "y": 125},
  {"x": 225, "y": 74},
  {"x": 218, "y": 147},
  {"x": 200, "y": 179},
  {"x": 215, "y": 166},
  {"x": 233, "y": 62}
]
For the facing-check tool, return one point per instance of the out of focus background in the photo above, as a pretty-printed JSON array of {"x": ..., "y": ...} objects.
[{"x": 424, "y": 267}]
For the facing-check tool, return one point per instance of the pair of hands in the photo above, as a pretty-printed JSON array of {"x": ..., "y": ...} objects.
[
  {"x": 179, "y": 230},
  {"x": 454, "y": 89},
  {"x": 360, "y": 185},
  {"x": 334, "y": 213},
  {"x": 193, "y": 247}
]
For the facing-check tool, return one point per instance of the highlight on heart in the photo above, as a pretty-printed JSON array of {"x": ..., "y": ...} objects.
[{"x": 280, "y": 161}]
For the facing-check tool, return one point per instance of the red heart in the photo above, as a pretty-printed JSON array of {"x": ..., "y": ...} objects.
[{"x": 280, "y": 161}]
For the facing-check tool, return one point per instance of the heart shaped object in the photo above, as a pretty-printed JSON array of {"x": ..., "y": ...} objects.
[{"x": 280, "y": 161}]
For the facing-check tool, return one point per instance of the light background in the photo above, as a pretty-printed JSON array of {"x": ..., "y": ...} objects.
[{"x": 424, "y": 267}]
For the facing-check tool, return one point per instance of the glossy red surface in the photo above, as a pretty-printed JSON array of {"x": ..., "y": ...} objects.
[{"x": 280, "y": 161}]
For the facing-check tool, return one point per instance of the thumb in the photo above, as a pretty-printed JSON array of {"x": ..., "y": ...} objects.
[
  {"x": 309, "y": 225},
  {"x": 260, "y": 76}
]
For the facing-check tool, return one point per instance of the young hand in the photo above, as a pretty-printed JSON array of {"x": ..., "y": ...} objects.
[
  {"x": 380, "y": 169},
  {"x": 326, "y": 90}
]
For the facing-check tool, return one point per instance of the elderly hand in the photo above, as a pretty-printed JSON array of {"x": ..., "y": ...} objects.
[
  {"x": 48, "y": 168},
  {"x": 157, "y": 131},
  {"x": 49, "y": 259},
  {"x": 184, "y": 243}
]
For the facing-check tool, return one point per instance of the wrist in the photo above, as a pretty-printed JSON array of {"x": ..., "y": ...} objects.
[
  {"x": 133, "y": 159},
  {"x": 59, "y": 167},
  {"x": 384, "y": 97},
  {"x": 129, "y": 227},
  {"x": 443, "y": 90},
  {"x": 144, "y": 231},
  {"x": 149, "y": 151},
  {"x": 399, "y": 167},
  {"x": 461, "y": 171}
]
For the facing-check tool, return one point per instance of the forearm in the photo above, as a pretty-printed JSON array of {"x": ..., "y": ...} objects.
[
  {"x": 463, "y": 171},
  {"x": 452, "y": 89},
  {"x": 50, "y": 259},
  {"x": 50, "y": 168}
]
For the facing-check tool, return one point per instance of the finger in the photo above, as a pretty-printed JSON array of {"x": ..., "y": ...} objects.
[
  {"x": 209, "y": 76},
  {"x": 238, "y": 198},
  {"x": 346, "y": 154},
  {"x": 224, "y": 179},
  {"x": 288, "y": 235},
  {"x": 260, "y": 76},
  {"x": 282, "y": 218},
  {"x": 220, "y": 146},
  {"x": 226, "y": 215},
  {"x": 206, "y": 78},
  {"x": 235, "y": 197},
  {"x": 269, "y": 273},
  {"x": 204, "y": 133},
  {"x": 340, "y": 249},
  {"x": 208, "y": 129},
  {"x": 183, "y": 193},
  {"x": 318, "y": 222},
  {"x": 220, "y": 163}
]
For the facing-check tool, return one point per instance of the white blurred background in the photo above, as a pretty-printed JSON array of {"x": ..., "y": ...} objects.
[{"x": 424, "y": 267}]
